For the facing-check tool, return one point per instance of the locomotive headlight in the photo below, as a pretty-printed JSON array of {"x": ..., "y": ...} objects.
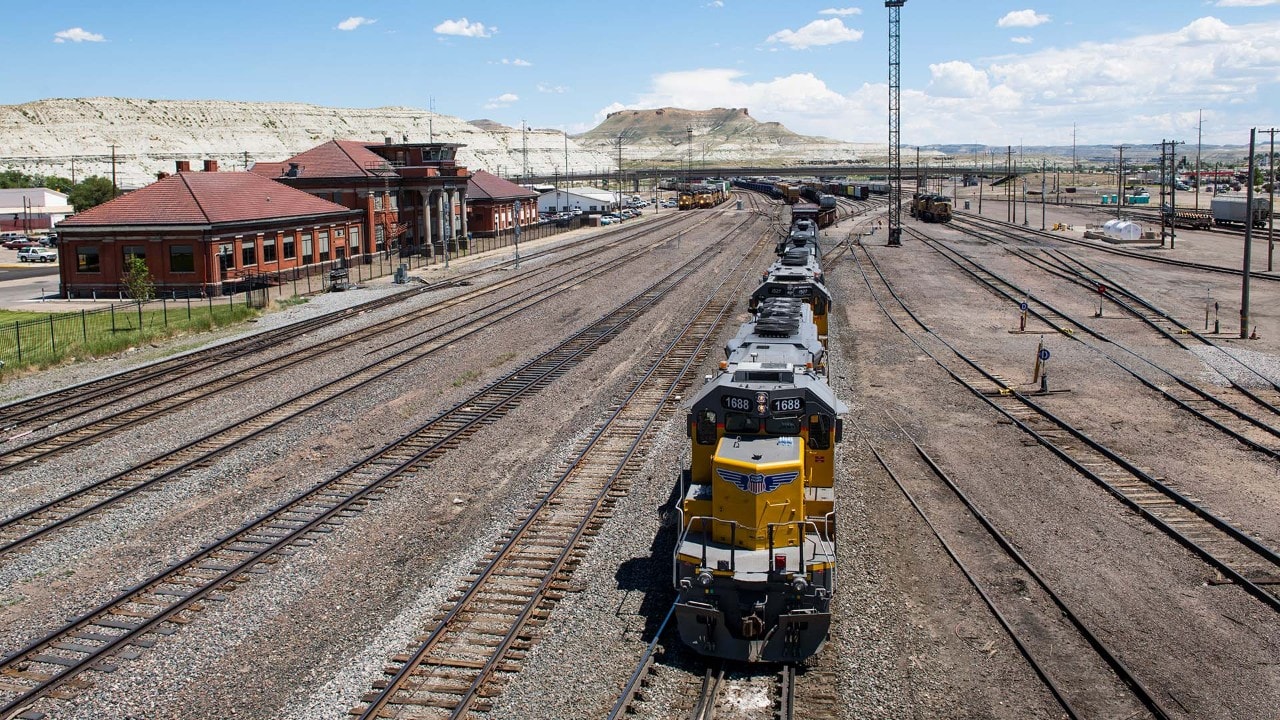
[
  {"x": 799, "y": 584},
  {"x": 705, "y": 577}
]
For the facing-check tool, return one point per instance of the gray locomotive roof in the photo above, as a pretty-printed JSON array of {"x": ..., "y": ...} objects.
[
  {"x": 782, "y": 331},
  {"x": 801, "y": 284}
]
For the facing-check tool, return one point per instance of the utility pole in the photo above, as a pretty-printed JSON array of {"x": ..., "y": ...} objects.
[
  {"x": 688, "y": 174},
  {"x": 1199, "y": 180},
  {"x": 1011, "y": 210},
  {"x": 524, "y": 151},
  {"x": 1271, "y": 197},
  {"x": 1074, "y": 182},
  {"x": 114, "y": 187},
  {"x": 1248, "y": 242},
  {"x": 1043, "y": 193},
  {"x": 566, "y": 159},
  {"x": 895, "y": 121},
  {"x": 431, "y": 129},
  {"x": 619, "y": 173},
  {"x": 246, "y": 159},
  {"x": 1120, "y": 180}
]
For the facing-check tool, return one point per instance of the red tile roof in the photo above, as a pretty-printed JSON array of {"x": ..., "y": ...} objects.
[
  {"x": 487, "y": 186},
  {"x": 336, "y": 159},
  {"x": 202, "y": 198}
]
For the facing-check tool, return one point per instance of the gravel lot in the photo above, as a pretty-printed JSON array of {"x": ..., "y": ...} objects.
[{"x": 912, "y": 639}]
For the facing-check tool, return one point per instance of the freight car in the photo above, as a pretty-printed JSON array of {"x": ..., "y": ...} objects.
[
  {"x": 758, "y": 185},
  {"x": 1231, "y": 211},
  {"x": 789, "y": 192},
  {"x": 1193, "y": 219},
  {"x": 878, "y": 188},
  {"x": 754, "y": 565}
]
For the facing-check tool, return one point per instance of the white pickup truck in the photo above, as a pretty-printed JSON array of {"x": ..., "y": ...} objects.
[{"x": 37, "y": 254}]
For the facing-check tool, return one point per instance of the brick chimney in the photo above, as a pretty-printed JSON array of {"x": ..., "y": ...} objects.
[
  {"x": 183, "y": 165},
  {"x": 211, "y": 166},
  {"x": 162, "y": 175}
]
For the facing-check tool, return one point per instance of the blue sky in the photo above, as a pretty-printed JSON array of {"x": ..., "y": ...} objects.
[{"x": 972, "y": 72}]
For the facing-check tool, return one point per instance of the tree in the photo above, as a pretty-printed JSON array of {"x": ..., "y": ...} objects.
[
  {"x": 138, "y": 281},
  {"x": 54, "y": 182},
  {"x": 90, "y": 192}
]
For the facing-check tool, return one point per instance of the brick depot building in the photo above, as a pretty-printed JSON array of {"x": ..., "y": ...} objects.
[
  {"x": 205, "y": 232},
  {"x": 413, "y": 195}
]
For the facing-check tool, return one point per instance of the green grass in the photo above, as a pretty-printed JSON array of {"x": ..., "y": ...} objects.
[{"x": 47, "y": 339}]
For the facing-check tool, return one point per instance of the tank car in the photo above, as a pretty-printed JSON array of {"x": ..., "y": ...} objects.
[{"x": 754, "y": 565}]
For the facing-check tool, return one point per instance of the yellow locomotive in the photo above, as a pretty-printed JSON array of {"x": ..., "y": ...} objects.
[{"x": 755, "y": 561}]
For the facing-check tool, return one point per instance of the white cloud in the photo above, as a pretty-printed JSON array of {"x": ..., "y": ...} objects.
[
  {"x": 556, "y": 89},
  {"x": 841, "y": 11},
  {"x": 1136, "y": 89},
  {"x": 816, "y": 33},
  {"x": 716, "y": 3},
  {"x": 1022, "y": 18},
  {"x": 1246, "y": 3},
  {"x": 1021, "y": 39},
  {"x": 958, "y": 79},
  {"x": 76, "y": 34},
  {"x": 464, "y": 28},
  {"x": 517, "y": 62},
  {"x": 503, "y": 100},
  {"x": 354, "y": 22}
]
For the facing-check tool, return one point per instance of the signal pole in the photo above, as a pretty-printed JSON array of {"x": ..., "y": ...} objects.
[
  {"x": 1120, "y": 180},
  {"x": 895, "y": 120}
]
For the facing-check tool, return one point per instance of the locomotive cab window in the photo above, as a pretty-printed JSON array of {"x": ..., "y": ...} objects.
[
  {"x": 740, "y": 423},
  {"x": 706, "y": 427},
  {"x": 820, "y": 432}
]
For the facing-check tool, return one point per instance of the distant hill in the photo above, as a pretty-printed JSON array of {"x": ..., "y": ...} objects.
[
  {"x": 47, "y": 136},
  {"x": 721, "y": 136}
]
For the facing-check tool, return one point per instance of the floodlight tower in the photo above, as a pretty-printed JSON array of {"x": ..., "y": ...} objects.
[{"x": 895, "y": 121}]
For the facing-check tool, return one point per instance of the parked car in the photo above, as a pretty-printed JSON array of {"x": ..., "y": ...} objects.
[
  {"x": 15, "y": 243},
  {"x": 35, "y": 253}
]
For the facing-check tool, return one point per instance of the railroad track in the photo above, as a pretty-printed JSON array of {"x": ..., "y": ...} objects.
[
  {"x": 41, "y": 521},
  {"x": 1237, "y": 555},
  {"x": 484, "y": 634},
  {"x": 34, "y": 413},
  {"x": 963, "y": 218},
  {"x": 111, "y": 423},
  {"x": 164, "y": 602},
  {"x": 1054, "y": 640},
  {"x": 1242, "y": 414}
]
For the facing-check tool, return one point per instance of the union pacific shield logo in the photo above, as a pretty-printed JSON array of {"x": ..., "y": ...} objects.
[{"x": 756, "y": 483}]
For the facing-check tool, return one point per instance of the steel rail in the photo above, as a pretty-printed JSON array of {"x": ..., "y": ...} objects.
[
  {"x": 109, "y": 388},
  {"x": 1193, "y": 509},
  {"x": 992, "y": 281},
  {"x": 94, "y": 430},
  {"x": 710, "y": 317},
  {"x": 46, "y": 518},
  {"x": 255, "y": 541}
]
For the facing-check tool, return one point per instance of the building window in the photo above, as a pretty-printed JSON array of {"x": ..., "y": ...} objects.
[
  {"x": 225, "y": 260},
  {"x": 391, "y": 202},
  {"x": 377, "y": 201},
  {"x": 134, "y": 251},
  {"x": 307, "y": 256},
  {"x": 355, "y": 239},
  {"x": 324, "y": 245},
  {"x": 289, "y": 252},
  {"x": 87, "y": 260},
  {"x": 248, "y": 253},
  {"x": 269, "y": 249},
  {"x": 379, "y": 237},
  {"x": 182, "y": 259}
]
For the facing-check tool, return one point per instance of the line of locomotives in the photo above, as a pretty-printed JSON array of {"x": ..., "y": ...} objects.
[
  {"x": 704, "y": 194},
  {"x": 754, "y": 565}
]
